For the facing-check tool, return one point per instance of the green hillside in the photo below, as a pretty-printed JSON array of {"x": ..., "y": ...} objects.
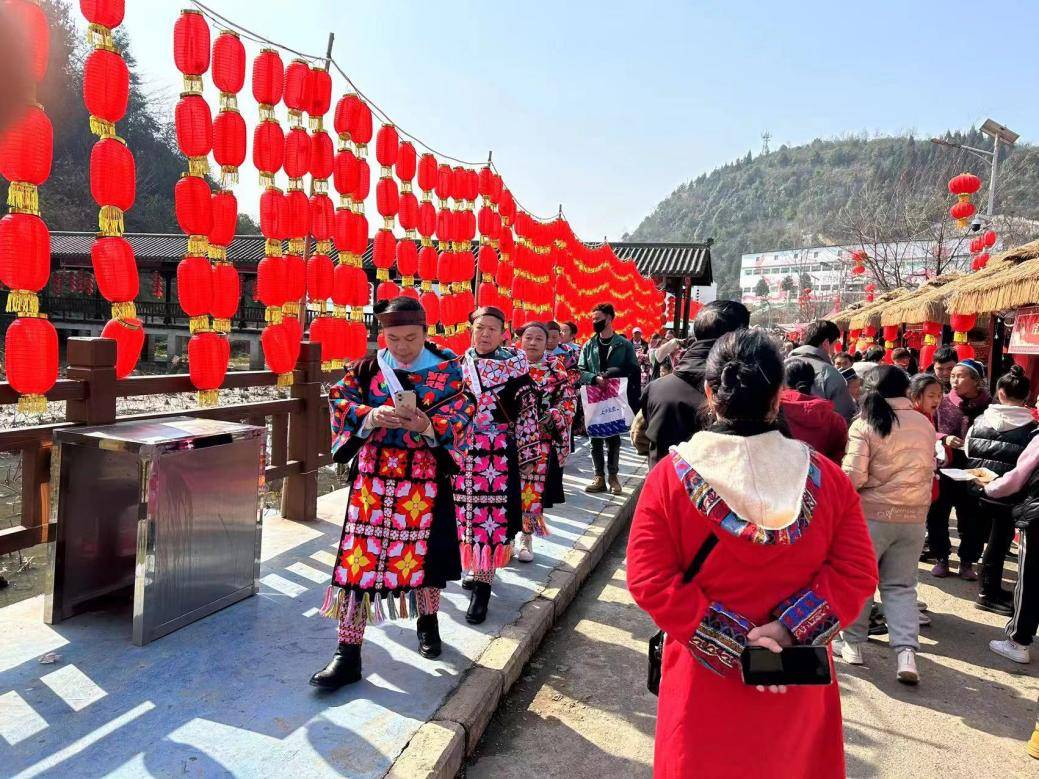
[{"x": 822, "y": 193}]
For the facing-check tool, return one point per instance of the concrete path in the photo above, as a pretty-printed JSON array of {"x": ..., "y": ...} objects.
[
  {"x": 228, "y": 695},
  {"x": 581, "y": 708}
]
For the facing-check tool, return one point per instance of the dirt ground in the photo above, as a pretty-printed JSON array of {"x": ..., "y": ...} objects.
[{"x": 581, "y": 708}]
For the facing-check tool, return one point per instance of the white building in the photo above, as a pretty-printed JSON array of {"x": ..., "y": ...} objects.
[{"x": 828, "y": 269}]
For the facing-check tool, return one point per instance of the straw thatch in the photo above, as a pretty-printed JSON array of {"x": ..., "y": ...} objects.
[
  {"x": 924, "y": 304},
  {"x": 870, "y": 315},
  {"x": 1010, "y": 280},
  {"x": 842, "y": 318}
]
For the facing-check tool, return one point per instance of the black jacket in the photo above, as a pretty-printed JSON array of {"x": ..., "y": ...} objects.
[
  {"x": 673, "y": 405},
  {"x": 997, "y": 450}
]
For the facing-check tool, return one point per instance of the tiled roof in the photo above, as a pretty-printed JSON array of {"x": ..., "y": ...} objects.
[{"x": 669, "y": 259}]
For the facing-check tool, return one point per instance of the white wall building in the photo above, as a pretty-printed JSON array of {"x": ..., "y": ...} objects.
[{"x": 829, "y": 269}]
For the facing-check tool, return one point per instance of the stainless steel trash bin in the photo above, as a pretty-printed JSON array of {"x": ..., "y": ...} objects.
[{"x": 168, "y": 509}]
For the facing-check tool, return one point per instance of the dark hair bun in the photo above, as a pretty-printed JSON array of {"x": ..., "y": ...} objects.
[
  {"x": 1016, "y": 370},
  {"x": 744, "y": 371},
  {"x": 1015, "y": 383}
]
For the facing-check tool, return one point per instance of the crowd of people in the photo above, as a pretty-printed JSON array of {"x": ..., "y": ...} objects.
[
  {"x": 802, "y": 479},
  {"x": 453, "y": 460}
]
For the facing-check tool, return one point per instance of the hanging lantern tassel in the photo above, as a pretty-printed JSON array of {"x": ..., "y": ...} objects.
[
  {"x": 125, "y": 310},
  {"x": 102, "y": 128},
  {"x": 99, "y": 37},
  {"x": 110, "y": 220},
  {"x": 22, "y": 301},
  {"x": 198, "y": 166},
  {"x": 207, "y": 398},
  {"x": 228, "y": 176},
  {"x": 23, "y": 197},
  {"x": 198, "y": 245}
]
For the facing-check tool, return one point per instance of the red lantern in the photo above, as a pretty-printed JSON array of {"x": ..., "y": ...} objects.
[
  {"x": 224, "y": 223},
  {"x": 128, "y": 335},
  {"x": 387, "y": 200},
  {"x": 297, "y": 156},
  {"x": 322, "y": 220},
  {"x": 407, "y": 261},
  {"x": 280, "y": 350},
  {"x": 30, "y": 22},
  {"x": 208, "y": 355},
  {"x": 962, "y": 212},
  {"x": 387, "y": 290},
  {"x": 961, "y": 323},
  {"x": 321, "y": 159},
  {"x": 361, "y": 126},
  {"x": 194, "y": 126},
  {"x": 387, "y": 144},
  {"x": 427, "y": 172},
  {"x": 26, "y": 152},
  {"x": 297, "y": 90},
  {"x": 295, "y": 284},
  {"x": 406, "y": 162},
  {"x": 227, "y": 291},
  {"x": 268, "y": 150},
  {"x": 31, "y": 346},
  {"x": 228, "y": 67},
  {"x": 297, "y": 214},
  {"x": 346, "y": 172},
  {"x": 343, "y": 116},
  {"x": 271, "y": 285},
  {"x": 229, "y": 145},
  {"x": 25, "y": 260},
  {"x": 444, "y": 181},
  {"x": 320, "y": 96},
  {"x": 113, "y": 182},
  {"x": 193, "y": 204},
  {"x": 103, "y": 13},
  {"x": 106, "y": 90},
  {"x": 320, "y": 273},
  {"x": 364, "y": 182},
  {"x": 989, "y": 238},
  {"x": 191, "y": 48},
  {"x": 964, "y": 185},
  {"x": 195, "y": 290},
  {"x": 267, "y": 82},
  {"x": 383, "y": 251},
  {"x": 408, "y": 212},
  {"x": 273, "y": 222},
  {"x": 115, "y": 269}
]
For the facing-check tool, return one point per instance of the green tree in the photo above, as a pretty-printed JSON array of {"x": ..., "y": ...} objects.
[
  {"x": 787, "y": 285},
  {"x": 761, "y": 288}
]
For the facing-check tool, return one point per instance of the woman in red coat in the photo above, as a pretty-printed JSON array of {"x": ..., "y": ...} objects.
[
  {"x": 808, "y": 418},
  {"x": 793, "y": 564}
]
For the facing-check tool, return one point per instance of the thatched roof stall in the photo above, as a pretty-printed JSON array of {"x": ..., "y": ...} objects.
[
  {"x": 1010, "y": 280},
  {"x": 842, "y": 318},
  {"x": 924, "y": 304},
  {"x": 870, "y": 315}
]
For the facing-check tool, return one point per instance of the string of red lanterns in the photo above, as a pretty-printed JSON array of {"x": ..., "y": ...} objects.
[
  {"x": 26, "y": 152},
  {"x": 113, "y": 178}
]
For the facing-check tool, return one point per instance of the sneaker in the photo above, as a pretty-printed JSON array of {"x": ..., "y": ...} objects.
[
  {"x": 995, "y": 605},
  {"x": 925, "y": 620},
  {"x": 597, "y": 485},
  {"x": 852, "y": 653},
  {"x": 1011, "y": 650},
  {"x": 967, "y": 572},
  {"x": 526, "y": 551},
  {"x": 907, "y": 673},
  {"x": 941, "y": 569}
]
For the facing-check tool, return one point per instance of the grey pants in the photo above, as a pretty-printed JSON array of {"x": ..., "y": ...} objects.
[{"x": 898, "y": 548}]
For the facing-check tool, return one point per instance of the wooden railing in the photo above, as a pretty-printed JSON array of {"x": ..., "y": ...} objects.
[{"x": 298, "y": 428}]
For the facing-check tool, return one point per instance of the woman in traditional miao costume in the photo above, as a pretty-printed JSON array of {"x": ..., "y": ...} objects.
[
  {"x": 398, "y": 547},
  {"x": 502, "y": 447},
  {"x": 544, "y": 488},
  {"x": 568, "y": 353}
]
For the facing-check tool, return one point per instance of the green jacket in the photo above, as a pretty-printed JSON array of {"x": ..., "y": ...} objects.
[{"x": 621, "y": 363}]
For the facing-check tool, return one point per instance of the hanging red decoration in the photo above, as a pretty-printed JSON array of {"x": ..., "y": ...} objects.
[
  {"x": 268, "y": 150},
  {"x": 387, "y": 145},
  {"x": 195, "y": 291},
  {"x": 191, "y": 48},
  {"x": 320, "y": 272},
  {"x": 229, "y": 145},
  {"x": 228, "y": 68},
  {"x": 268, "y": 81},
  {"x": 106, "y": 90},
  {"x": 194, "y": 126},
  {"x": 322, "y": 159},
  {"x": 25, "y": 258},
  {"x": 31, "y": 352},
  {"x": 962, "y": 212},
  {"x": 115, "y": 269},
  {"x": 406, "y": 164},
  {"x": 297, "y": 156},
  {"x": 297, "y": 91},
  {"x": 26, "y": 152},
  {"x": 113, "y": 182},
  {"x": 102, "y": 16},
  {"x": 989, "y": 239},
  {"x": 29, "y": 19},
  {"x": 227, "y": 291},
  {"x": 964, "y": 185},
  {"x": 320, "y": 97},
  {"x": 224, "y": 222},
  {"x": 128, "y": 335},
  {"x": 208, "y": 357},
  {"x": 280, "y": 350},
  {"x": 193, "y": 204}
]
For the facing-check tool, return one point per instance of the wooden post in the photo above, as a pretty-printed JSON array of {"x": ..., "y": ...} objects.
[
  {"x": 92, "y": 361},
  {"x": 308, "y": 437}
]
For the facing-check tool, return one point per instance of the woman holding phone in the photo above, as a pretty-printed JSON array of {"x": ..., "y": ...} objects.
[{"x": 792, "y": 564}]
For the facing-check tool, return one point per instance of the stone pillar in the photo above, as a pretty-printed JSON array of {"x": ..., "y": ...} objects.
[{"x": 255, "y": 354}]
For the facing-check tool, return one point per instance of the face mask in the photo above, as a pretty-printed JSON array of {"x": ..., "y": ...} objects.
[{"x": 599, "y": 326}]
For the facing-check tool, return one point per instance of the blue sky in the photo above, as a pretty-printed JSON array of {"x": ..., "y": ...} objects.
[{"x": 607, "y": 106}]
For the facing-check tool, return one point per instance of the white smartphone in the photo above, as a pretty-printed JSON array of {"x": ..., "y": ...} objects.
[{"x": 405, "y": 399}]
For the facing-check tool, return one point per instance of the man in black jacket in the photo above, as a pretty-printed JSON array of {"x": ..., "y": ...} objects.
[{"x": 672, "y": 405}]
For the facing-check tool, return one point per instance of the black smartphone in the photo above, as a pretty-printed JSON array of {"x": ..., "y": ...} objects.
[{"x": 795, "y": 665}]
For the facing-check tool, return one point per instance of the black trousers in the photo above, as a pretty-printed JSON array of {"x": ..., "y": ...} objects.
[
  {"x": 613, "y": 444},
  {"x": 1025, "y": 622},
  {"x": 1001, "y": 535},
  {"x": 970, "y": 523}
]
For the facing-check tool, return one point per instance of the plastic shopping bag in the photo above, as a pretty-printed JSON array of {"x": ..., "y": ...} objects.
[{"x": 606, "y": 409}]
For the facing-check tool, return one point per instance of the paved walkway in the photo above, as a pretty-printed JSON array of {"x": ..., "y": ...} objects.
[
  {"x": 581, "y": 708},
  {"x": 228, "y": 695}
]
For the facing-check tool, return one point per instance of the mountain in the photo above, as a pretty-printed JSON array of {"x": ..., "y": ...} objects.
[{"x": 831, "y": 191}]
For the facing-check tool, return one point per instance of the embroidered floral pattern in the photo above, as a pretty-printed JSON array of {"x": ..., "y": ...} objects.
[
  {"x": 720, "y": 638},
  {"x": 710, "y": 504},
  {"x": 808, "y": 617}
]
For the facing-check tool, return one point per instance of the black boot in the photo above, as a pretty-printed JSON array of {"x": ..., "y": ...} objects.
[
  {"x": 477, "y": 612},
  {"x": 429, "y": 636},
  {"x": 344, "y": 668},
  {"x": 468, "y": 581}
]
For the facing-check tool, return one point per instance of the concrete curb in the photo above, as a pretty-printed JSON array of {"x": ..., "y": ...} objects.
[{"x": 439, "y": 748}]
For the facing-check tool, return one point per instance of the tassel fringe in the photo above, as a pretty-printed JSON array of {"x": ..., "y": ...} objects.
[
  {"x": 222, "y": 326},
  {"x": 32, "y": 404},
  {"x": 22, "y": 302},
  {"x": 125, "y": 310},
  {"x": 208, "y": 398},
  {"x": 102, "y": 128},
  {"x": 110, "y": 221},
  {"x": 228, "y": 176},
  {"x": 198, "y": 324},
  {"x": 23, "y": 197},
  {"x": 377, "y": 608},
  {"x": 285, "y": 379},
  {"x": 485, "y": 558}
]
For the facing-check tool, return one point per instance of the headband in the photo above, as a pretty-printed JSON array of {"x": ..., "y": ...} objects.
[
  {"x": 402, "y": 318},
  {"x": 974, "y": 366},
  {"x": 538, "y": 325},
  {"x": 493, "y": 311}
]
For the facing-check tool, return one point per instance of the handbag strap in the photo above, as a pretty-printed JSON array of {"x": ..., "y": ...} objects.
[{"x": 700, "y": 557}]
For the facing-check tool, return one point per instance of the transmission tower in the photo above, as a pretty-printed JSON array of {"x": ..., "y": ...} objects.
[{"x": 765, "y": 138}]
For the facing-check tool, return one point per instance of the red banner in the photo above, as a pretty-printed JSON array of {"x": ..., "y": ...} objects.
[{"x": 1025, "y": 337}]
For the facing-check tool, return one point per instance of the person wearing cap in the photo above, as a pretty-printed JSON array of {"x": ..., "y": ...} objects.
[
  {"x": 502, "y": 452},
  {"x": 401, "y": 419},
  {"x": 558, "y": 402},
  {"x": 854, "y": 384},
  {"x": 966, "y": 401}
]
